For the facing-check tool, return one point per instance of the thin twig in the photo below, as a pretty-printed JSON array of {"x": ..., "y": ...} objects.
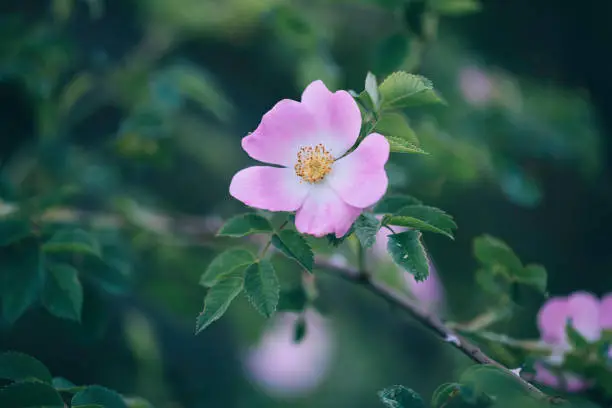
[
  {"x": 427, "y": 319},
  {"x": 197, "y": 227}
]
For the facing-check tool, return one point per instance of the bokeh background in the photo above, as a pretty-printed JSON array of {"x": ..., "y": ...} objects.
[{"x": 134, "y": 110}]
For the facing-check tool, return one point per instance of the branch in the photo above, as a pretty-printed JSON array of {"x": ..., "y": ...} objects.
[
  {"x": 197, "y": 227},
  {"x": 427, "y": 319}
]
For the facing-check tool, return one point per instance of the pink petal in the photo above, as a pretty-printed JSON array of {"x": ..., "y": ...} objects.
[
  {"x": 337, "y": 115},
  {"x": 283, "y": 129},
  {"x": 269, "y": 188},
  {"x": 605, "y": 312},
  {"x": 552, "y": 319},
  {"x": 583, "y": 309},
  {"x": 360, "y": 177},
  {"x": 570, "y": 383},
  {"x": 324, "y": 212}
]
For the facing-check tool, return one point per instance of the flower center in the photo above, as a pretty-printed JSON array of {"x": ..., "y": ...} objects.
[{"x": 313, "y": 163}]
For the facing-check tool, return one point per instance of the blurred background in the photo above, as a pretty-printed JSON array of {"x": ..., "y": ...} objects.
[{"x": 126, "y": 117}]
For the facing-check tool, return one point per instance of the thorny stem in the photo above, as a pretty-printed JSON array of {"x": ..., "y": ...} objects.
[
  {"x": 427, "y": 319},
  {"x": 198, "y": 228}
]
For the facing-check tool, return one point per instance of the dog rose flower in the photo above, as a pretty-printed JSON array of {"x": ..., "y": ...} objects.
[
  {"x": 309, "y": 139},
  {"x": 589, "y": 316}
]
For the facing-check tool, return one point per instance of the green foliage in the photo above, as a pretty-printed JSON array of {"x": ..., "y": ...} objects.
[
  {"x": 391, "y": 52},
  {"x": 576, "y": 339},
  {"x": 72, "y": 241},
  {"x": 366, "y": 227},
  {"x": 33, "y": 386},
  {"x": 293, "y": 300},
  {"x": 446, "y": 395},
  {"x": 224, "y": 263},
  {"x": 492, "y": 251},
  {"x": 534, "y": 275},
  {"x": 245, "y": 224},
  {"x": 408, "y": 251},
  {"x": 96, "y": 395},
  {"x": 401, "y": 145},
  {"x": 30, "y": 394},
  {"x": 500, "y": 261},
  {"x": 404, "y": 90},
  {"x": 335, "y": 241},
  {"x": 219, "y": 297},
  {"x": 13, "y": 229},
  {"x": 293, "y": 245},
  {"x": 402, "y": 139},
  {"x": 399, "y": 396},
  {"x": 455, "y": 7},
  {"x": 63, "y": 292},
  {"x": 21, "y": 367},
  {"x": 299, "y": 329},
  {"x": 394, "y": 203},
  {"x": 395, "y": 126},
  {"x": 262, "y": 287},
  {"x": 424, "y": 218},
  {"x": 21, "y": 277}
]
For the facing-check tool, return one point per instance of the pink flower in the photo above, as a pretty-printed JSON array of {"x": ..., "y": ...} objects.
[
  {"x": 309, "y": 140},
  {"x": 283, "y": 368},
  {"x": 429, "y": 293},
  {"x": 589, "y": 316},
  {"x": 476, "y": 85}
]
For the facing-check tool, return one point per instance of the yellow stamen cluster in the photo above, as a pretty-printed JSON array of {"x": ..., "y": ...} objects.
[{"x": 313, "y": 164}]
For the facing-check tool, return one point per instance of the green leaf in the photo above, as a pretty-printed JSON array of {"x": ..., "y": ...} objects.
[
  {"x": 262, "y": 287},
  {"x": 371, "y": 88},
  {"x": 225, "y": 262},
  {"x": 399, "y": 396},
  {"x": 366, "y": 228},
  {"x": 455, "y": 7},
  {"x": 219, "y": 298},
  {"x": 73, "y": 241},
  {"x": 292, "y": 300},
  {"x": 335, "y": 241},
  {"x": 137, "y": 402},
  {"x": 534, "y": 275},
  {"x": 399, "y": 145},
  {"x": 394, "y": 203},
  {"x": 21, "y": 277},
  {"x": 294, "y": 246},
  {"x": 13, "y": 229},
  {"x": 403, "y": 90},
  {"x": 575, "y": 338},
  {"x": 21, "y": 367},
  {"x": 63, "y": 385},
  {"x": 97, "y": 395},
  {"x": 423, "y": 218},
  {"x": 394, "y": 124},
  {"x": 407, "y": 251},
  {"x": 491, "y": 380},
  {"x": 493, "y": 251},
  {"x": 63, "y": 292},
  {"x": 444, "y": 394},
  {"x": 30, "y": 395},
  {"x": 299, "y": 329},
  {"x": 491, "y": 282},
  {"x": 245, "y": 224}
]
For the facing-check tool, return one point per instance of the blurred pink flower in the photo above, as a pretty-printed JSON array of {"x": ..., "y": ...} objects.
[
  {"x": 308, "y": 139},
  {"x": 429, "y": 293},
  {"x": 475, "y": 85},
  {"x": 589, "y": 316},
  {"x": 283, "y": 368}
]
